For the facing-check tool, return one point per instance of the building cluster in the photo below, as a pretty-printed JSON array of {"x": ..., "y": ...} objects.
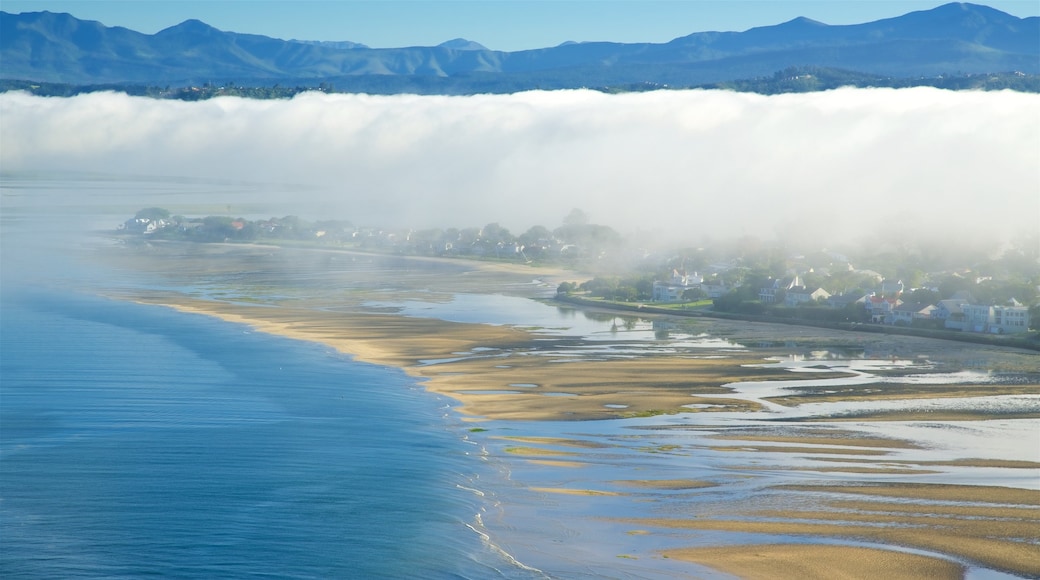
[
  {"x": 887, "y": 302},
  {"x": 682, "y": 284},
  {"x": 881, "y": 305}
]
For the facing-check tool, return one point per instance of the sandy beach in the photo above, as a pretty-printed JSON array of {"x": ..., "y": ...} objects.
[{"x": 768, "y": 433}]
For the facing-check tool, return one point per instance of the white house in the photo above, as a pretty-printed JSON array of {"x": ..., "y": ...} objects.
[
  {"x": 802, "y": 295},
  {"x": 905, "y": 314},
  {"x": 1012, "y": 319},
  {"x": 843, "y": 300},
  {"x": 880, "y": 309},
  {"x": 767, "y": 294},
  {"x": 715, "y": 289},
  {"x": 951, "y": 312},
  {"x": 672, "y": 290}
]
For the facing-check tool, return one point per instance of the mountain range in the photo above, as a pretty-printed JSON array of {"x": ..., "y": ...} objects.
[{"x": 952, "y": 39}]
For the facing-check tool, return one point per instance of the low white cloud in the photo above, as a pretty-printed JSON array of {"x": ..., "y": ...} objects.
[{"x": 845, "y": 163}]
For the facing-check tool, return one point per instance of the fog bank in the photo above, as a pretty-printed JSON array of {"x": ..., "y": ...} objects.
[{"x": 848, "y": 163}]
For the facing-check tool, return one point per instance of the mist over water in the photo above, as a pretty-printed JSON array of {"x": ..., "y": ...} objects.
[
  {"x": 135, "y": 399},
  {"x": 846, "y": 164},
  {"x": 136, "y": 440}
]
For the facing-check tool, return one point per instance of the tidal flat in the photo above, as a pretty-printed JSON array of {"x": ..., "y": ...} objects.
[{"x": 657, "y": 447}]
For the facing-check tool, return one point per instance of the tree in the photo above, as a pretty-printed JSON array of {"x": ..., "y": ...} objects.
[
  {"x": 601, "y": 286},
  {"x": 924, "y": 296},
  {"x": 644, "y": 286},
  {"x": 495, "y": 234},
  {"x": 953, "y": 284},
  {"x": 576, "y": 218},
  {"x": 153, "y": 213},
  {"x": 216, "y": 228},
  {"x": 535, "y": 233},
  {"x": 694, "y": 294},
  {"x": 626, "y": 293}
]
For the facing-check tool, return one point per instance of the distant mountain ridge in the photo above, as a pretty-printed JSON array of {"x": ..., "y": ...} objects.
[{"x": 953, "y": 38}]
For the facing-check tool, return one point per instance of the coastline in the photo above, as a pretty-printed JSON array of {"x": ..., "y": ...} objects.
[
  {"x": 506, "y": 374},
  {"x": 954, "y": 336}
]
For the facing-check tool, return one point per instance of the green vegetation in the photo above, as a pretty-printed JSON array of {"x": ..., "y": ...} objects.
[
  {"x": 574, "y": 244},
  {"x": 811, "y": 79},
  {"x": 789, "y": 80},
  {"x": 185, "y": 93},
  {"x": 153, "y": 213},
  {"x": 734, "y": 272},
  {"x": 645, "y": 414}
]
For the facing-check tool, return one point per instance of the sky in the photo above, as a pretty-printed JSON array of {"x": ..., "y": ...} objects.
[
  {"x": 845, "y": 166},
  {"x": 497, "y": 24}
]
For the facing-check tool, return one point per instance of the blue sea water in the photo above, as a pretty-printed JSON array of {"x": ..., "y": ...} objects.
[{"x": 138, "y": 441}]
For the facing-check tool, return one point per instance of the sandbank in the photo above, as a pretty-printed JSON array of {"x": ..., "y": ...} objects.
[
  {"x": 799, "y": 561},
  {"x": 863, "y": 470},
  {"x": 945, "y": 415},
  {"x": 848, "y": 441},
  {"x": 569, "y": 491},
  {"x": 1017, "y": 557},
  {"x": 554, "y": 441},
  {"x": 500, "y": 373},
  {"x": 667, "y": 484},
  {"x": 930, "y": 491},
  {"x": 536, "y": 451},
  {"x": 556, "y": 463},
  {"x": 963, "y": 462},
  {"x": 795, "y": 449},
  {"x": 477, "y": 364},
  {"x": 890, "y": 392}
]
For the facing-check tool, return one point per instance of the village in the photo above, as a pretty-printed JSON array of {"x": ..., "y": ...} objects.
[
  {"x": 994, "y": 293},
  {"x": 888, "y": 302}
]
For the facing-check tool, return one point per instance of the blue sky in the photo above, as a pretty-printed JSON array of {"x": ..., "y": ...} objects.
[{"x": 497, "y": 24}]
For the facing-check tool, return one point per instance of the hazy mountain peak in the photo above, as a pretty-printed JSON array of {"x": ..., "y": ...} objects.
[
  {"x": 957, "y": 36},
  {"x": 803, "y": 21},
  {"x": 191, "y": 26},
  {"x": 462, "y": 44},
  {"x": 955, "y": 7}
]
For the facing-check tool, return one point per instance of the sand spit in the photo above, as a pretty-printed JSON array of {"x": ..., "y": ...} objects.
[
  {"x": 800, "y": 561},
  {"x": 456, "y": 359},
  {"x": 740, "y": 460},
  {"x": 931, "y": 492},
  {"x": 847, "y": 441},
  {"x": 480, "y": 364},
  {"x": 477, "y": 364},
  {"x": 999, "y": 530},
  {"x": 1008, "y": 555},
  {"x": 667, "y": 484}
]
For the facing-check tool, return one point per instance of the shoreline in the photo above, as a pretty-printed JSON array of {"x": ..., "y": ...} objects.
[
  {"x": 1030, "y": 342},
  {"x": 504, "y": 375}
]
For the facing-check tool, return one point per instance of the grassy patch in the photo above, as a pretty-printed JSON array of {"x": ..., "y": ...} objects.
[{"x": 647, "y": 413}]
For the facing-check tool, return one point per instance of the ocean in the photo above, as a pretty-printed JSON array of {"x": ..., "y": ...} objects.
[
  {"x": 137, "y": 441},
  {"x": 140, "y": 441}
]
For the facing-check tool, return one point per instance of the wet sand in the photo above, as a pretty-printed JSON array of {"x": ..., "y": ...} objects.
[
  {"x": 512, "y": 374},
  {"x": 479, "y": 364},
  {"x": 797, "y": 561}
]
